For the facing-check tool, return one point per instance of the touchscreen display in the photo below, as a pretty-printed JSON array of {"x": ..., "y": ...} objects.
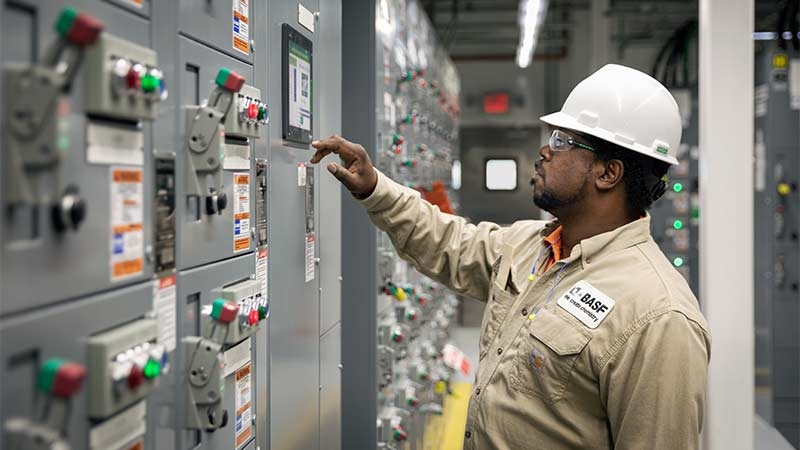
[{"x": 299, "y": 87}]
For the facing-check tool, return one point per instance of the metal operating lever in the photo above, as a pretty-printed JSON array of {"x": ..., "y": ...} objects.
[{"x": 204, "y": 134}]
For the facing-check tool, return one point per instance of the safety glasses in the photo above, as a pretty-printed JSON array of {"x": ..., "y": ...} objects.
[{"x": 561, "y": 142}]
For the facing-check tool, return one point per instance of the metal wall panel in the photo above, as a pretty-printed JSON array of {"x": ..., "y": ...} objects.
[
  {"x": 61, "y": 331},
  {"x": 330, "y": 394},
  {"x": 34, "y": 249},
  {"x": 294, "y": 303},
  {"x": 329, "y": 90}
]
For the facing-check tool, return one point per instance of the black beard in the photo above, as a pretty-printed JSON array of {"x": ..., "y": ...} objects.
[{"x": 552, "y": 204}]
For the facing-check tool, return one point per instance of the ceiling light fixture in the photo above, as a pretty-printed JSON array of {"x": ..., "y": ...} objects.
[{"x": 531, "y": 18}]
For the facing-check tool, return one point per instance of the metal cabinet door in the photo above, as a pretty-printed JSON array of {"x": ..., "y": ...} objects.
[
  {"x": 61, "y": 332},
  {"x": 223, "y": 24},
  {"x": 41, "y": 265},
  {"x": 202, "y": 238}
]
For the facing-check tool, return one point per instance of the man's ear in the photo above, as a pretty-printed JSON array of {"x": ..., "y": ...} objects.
[{"x": 611, "y": 175}]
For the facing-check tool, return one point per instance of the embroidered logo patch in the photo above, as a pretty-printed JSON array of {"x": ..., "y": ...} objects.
[
  {"x": 536, "y": 360},
  {"x": 587, "y": 303}
]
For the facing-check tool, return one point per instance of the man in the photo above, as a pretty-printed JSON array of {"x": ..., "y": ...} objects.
[{"x": 591, "y": 339}]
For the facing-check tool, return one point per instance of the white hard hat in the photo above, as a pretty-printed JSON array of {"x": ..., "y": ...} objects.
[{"x": 625, "y": 107}]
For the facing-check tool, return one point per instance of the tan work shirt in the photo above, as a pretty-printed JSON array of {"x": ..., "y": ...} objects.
[{"x": 605, "y": 349}]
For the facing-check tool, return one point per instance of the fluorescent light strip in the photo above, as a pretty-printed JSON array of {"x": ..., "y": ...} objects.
[{"x": 531, "y": 17}]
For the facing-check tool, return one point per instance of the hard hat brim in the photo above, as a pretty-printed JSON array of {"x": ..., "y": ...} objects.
[{"x": 561, "y": 120}]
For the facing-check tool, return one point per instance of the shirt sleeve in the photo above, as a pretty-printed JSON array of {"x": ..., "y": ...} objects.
[
  {"x": 654, "y": 387},
  {"x": 442, "y": 246}
]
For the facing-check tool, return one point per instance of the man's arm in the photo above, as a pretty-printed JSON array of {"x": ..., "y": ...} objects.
[
  {"x": 441, "y": 246},
  {"x": 654, "y": 386}
]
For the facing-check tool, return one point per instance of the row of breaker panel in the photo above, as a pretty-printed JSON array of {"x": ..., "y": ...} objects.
[
  {"x": 416, "y": 136},
  {"x": 134, "y": 253}
]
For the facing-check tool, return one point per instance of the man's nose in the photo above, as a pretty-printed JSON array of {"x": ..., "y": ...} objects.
[{"x": 545, "y": 152}]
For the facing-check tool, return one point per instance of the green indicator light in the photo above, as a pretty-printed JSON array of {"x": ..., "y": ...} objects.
[
  {"x": 47, "y": 376},
  {"x": 62, "y": 142},
  {"x": 677, "y": 262},
  {"x": 65, "y": 21},
  {"x": 151, "y": 369},
  {"x": 149, "y": 83},
  {"x": 677, "y": 224},
  {"x": 677, "y": 187},
  {"x": 695, "y": 213},
  {"x": 261, "y": 112},
  {"x": 217, "y": 307},
  {"x": 262, "y": 312}
]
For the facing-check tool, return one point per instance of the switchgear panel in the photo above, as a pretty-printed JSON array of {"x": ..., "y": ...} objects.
[
  {"x": 777, "y": 232},
  {"x": 414, "y": 142}
]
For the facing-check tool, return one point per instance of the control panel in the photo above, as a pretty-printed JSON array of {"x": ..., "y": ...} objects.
[
  {"x": 124, "y": 366},
  {"x": 252, "y": 114},
  {"x": 123, "y": 80}
]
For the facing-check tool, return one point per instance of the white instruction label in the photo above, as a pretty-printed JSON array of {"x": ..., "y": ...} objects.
[
  {"x": 127, "y": 223},
  {"x": 301, "y": 175},
  {"x": 305, "y": 17},
  {"x": 310, "y": 252},
  {"x": 243, "y": 427},
  {"x": 241, "y": 212},
  {"x": 120, "y": 429},
  {"x": 587, "y": 303},
  {"x": 241, "y": 26},
  {"x": 164, "y": 304},
  {"x": 794, "y": 83},
  {"x": 261, "y": 271}
]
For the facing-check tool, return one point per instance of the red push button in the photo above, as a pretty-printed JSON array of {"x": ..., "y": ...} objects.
[
  {"x": 135, "y": 377},
  {"x": 68, "y": 379},
  {"x": 253, "y": 317},
  {"x": 132, "y": 78},
  {"x": 252, "y": 111}
]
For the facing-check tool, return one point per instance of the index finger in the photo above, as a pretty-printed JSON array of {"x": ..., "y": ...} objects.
[{"x": 325, "y": 147}]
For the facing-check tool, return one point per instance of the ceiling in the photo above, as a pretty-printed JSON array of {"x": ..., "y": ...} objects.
[{"x": 488, "y": 29}]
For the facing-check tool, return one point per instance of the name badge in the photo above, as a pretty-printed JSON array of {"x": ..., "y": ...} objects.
[{"x": 587, "y": 303}]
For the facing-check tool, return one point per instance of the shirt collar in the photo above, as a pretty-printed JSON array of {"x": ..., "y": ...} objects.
[{"x": 626, "y": 236}]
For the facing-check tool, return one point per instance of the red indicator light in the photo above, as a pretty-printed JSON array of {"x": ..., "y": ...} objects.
[
  {"x": 132, "y": 78},
  {"x": 252, "y": 111},
  {"x": 253, "y": 317},
  {"x": 496, "y": 103}
]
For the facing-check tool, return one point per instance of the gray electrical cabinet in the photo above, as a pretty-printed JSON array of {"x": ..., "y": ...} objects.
[
  {"x": 395, "y": 322},
  {"x": 777, "y": 249},
  {"x": 675, "y": 217},
  {"x": 171, "y": 266}
]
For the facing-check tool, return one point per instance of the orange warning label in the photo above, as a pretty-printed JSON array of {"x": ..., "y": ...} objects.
[
  {"x": 241, "y": 244},
  {"x": 241, "y": 216},
  {"x": 241, "y": 45},
  {"x": 127, "y": 222},
  {"x": 241, "y": 179},
  {"x": 127, "y": 228},
  {"x": 166, "y": 282},
  {"x": 127, "y": 176},
  {"x": 124, "y": 268}
]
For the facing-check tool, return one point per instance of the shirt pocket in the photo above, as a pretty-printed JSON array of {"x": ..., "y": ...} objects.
[
  {"x": 500, "y": 302},
  {"x": 546, "y": 356}
]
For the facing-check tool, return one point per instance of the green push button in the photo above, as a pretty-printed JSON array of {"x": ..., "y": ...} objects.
[
  {"x": 150, "y": 83},
  {"x": 262, "y": 112},
  {"x": 217, "y": 307},
  {"x": 65, "y": 21},
  {"x": 47, "y": 376},
  {"x": 151, "y": 369},
  {"x": 222, "y": 76},
  {"x": 262, "y": 312}
]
